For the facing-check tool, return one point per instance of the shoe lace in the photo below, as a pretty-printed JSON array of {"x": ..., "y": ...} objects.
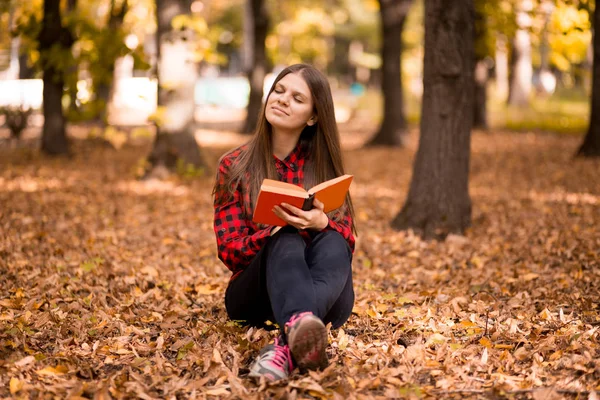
[
  {"x": 296, "y": 317},
  {"x": 282, "y": 355}
]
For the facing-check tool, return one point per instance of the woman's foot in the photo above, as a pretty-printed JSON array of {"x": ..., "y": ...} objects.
[
  {"x": 274, "y": 362},
  {"x": 307, "y": 339}
]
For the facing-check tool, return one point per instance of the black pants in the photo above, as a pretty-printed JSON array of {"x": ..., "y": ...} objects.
[{"x": 287, "y": 277}]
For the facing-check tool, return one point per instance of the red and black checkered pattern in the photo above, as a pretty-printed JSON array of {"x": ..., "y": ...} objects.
[{"x": 238, "y": 238}]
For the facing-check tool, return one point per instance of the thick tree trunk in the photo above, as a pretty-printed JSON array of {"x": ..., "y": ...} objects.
[
  {"x": 175, "y": 145},
  {"x": 438, "y": 200},
  {"x": 259, "y": 20},
  {"x": 54, "y": 138},
  {"x": 521, "y": 68},
  {"x": 393, "y": 16},
  {"x": 591, "y": 144}
]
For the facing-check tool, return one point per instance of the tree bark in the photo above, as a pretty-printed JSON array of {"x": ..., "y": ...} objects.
[
  {"x": 25, "y": 71},
  {"x": 54, "y": 137},
  {"x": 591, "y": 143},
  {"x": 481, "y": 67},
  {"x": 438, "y": 201},
  {"x": 393, "y": 16},
  {"x": 105, "y": 90},
  {"x": 175, "y": 145},
  {"x": 521, "y": 68},
  {"x": 257, "y": 71}
]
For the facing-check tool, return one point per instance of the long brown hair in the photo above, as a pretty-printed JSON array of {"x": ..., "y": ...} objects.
[{"x": 322, "y": 140}]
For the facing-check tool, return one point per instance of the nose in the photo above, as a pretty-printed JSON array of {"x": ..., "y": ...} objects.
[{"x": 282, "y": 99}]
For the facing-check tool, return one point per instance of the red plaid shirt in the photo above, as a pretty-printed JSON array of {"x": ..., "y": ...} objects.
[{"x": 238, "y": 238}]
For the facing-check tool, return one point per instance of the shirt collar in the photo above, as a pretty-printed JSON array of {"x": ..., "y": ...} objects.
[{"x": 295, "y": 155}]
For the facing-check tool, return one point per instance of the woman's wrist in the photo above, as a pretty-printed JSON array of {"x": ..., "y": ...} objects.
[{"x": 325, "y": 222}]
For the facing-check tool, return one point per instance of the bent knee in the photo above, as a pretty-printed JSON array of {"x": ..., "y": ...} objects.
[{"x": 332, "y": 240}]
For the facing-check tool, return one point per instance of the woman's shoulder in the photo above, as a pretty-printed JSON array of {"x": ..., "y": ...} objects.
[{"x": 229, "y": 158}]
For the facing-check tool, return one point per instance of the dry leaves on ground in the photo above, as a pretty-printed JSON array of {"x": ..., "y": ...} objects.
[{"x": 110, "y": 287}]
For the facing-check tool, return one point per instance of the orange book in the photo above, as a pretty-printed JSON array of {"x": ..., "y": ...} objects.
[{"x": 331, "y": 193}]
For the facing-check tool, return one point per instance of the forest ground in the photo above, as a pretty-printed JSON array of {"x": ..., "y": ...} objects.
[{"x": 110, "y": 286}]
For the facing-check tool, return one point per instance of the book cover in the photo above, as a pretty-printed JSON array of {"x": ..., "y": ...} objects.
[{"x": 331, "y": 193}]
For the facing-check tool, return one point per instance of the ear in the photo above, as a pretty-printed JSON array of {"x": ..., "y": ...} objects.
[{"x": 312, "y": 120}]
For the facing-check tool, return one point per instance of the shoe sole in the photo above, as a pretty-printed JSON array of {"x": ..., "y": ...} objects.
[{"x": 308, "y": 342}]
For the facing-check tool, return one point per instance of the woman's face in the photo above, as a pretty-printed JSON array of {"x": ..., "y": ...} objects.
[{"x": 290, "y": 104}]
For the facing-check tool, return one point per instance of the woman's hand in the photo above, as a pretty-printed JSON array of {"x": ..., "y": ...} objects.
[{"x": 314, "y": 219}]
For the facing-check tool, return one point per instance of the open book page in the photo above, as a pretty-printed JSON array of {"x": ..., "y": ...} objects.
[
  {"x": 271, "y": 183},
  {"x": 331, "y": 182},
  {"x": 332, "y": 193}
]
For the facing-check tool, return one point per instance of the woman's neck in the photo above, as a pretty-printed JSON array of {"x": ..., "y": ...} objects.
[{"x": 284, "y": 143}]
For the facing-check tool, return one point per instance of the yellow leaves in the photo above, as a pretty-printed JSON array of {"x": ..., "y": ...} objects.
[
  {"x": 207, "y": 289},
  {"x": 15, "y": 385},
  {"x": 342, "y": 339},
  {"x": 530, "y": 276},
  {"x": 53, "y": 371},
  {"x": 570, "y": 36},
  {"x": 436, "y": 338},
  {"x": 545, "y": 314},
  {"x": 467, "y": 324},
  {"x": 195, "y": 23},
  {"x": 485, "y": 342}
]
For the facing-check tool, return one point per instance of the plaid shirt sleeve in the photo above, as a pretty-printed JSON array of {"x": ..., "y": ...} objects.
[
  {"x": 237, "y": 241},
  {"x": 344, "y": 228}
]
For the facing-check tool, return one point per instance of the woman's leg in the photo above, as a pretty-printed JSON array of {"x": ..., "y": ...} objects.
[
  {"x": 289, "y": 281},
  {"x": 276, "y": 285},
  {"x": 246, "y": 297},
  {"x": 329, "y": 259}
]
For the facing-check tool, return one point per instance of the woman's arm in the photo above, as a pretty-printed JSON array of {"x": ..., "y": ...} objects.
[
  {"x": 316, "y": 219},
  {"x": 236, "y": 246},
  {"x": 344, "y": 228}
]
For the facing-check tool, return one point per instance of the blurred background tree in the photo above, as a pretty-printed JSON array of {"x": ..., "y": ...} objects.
[{"x": 534, "y": 55}]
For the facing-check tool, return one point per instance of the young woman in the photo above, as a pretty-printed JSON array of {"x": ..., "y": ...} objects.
[{"x": 299, "y": 275}]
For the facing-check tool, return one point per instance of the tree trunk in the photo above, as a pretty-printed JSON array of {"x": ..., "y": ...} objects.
[
  {"x": 521, "y": 67},
  {"x": 25, "y": 71},
  {"x": 393, "y": 16},
  {"x": 438, "y": 200},
  {"x": 591, "y": 144},
  {"x": 259, "y": 20},
  {"x": 54, "y": 138},
  {"x": 105, "y": 90},
  {"x": 175, "y": 145},
  {"x": 481, "y": 67}
]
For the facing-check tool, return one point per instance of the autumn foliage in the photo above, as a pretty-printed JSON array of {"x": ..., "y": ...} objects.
[{"x": 110, "y": 287}]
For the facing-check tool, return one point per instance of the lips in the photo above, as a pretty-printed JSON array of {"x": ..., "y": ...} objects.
[{"x": 279, "y": 109}]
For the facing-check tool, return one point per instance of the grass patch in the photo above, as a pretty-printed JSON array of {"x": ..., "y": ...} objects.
[{"x": 565, "y": 112}]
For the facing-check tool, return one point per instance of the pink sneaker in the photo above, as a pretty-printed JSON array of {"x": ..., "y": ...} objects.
[
  {"x": 274, "y": 362},
  {"x": 307, "y": 339}
]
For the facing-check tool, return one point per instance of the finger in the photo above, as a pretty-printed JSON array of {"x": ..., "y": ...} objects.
[
  {"x": 281, "y": 214},
  {"x": 295, "y": 221},
  {"x": 318, "y": 204},
  {"x": 293, "y": 210}
]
